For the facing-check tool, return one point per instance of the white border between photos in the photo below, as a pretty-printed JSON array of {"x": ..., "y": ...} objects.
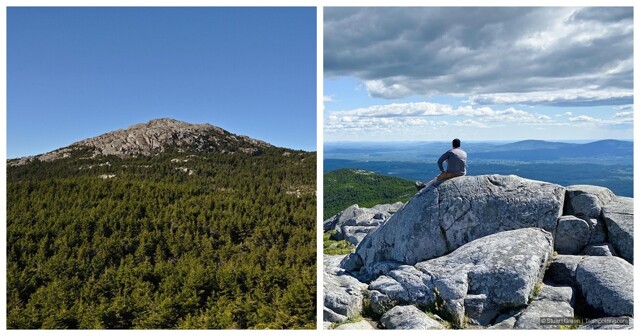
[{"x": 319, "y": 146}]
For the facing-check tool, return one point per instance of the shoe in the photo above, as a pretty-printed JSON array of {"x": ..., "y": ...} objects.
[{"x": 419, "y": 185}]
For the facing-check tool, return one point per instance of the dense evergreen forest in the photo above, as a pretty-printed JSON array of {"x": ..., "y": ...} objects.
[
  {"x": 169, "y": 241},
  {"x": 345, "y": 187}
]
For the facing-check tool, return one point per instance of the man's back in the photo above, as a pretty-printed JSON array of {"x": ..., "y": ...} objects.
[
  {"x": 456, "y": 165},
  {"x": 456, "y": 161}
]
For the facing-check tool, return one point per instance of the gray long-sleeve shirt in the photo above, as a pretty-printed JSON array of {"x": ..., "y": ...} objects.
[{"x": 456, "y": 161}]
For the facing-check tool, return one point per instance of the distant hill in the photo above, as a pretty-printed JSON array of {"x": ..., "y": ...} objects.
[
  {"x": 606, "y": 148},
  {"x": 345, "y": 187},
  {"x": 534, "y": 150},
  {"x": 532, "y": 145}
]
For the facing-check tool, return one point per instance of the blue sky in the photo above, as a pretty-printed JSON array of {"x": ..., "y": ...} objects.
[
  {"x": 74, "y": 73},
  {"x": 393, "y": 74}
]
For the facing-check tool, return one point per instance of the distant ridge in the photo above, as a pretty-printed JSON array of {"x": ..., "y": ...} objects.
[
  {"x": 534, "y": 144},
  {"x": 545, "y": 150}
]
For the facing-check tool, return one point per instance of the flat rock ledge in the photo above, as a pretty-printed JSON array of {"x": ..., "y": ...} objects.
[
  {"x": 360, "y": 325},
  {"x": 408, "y": 317}
]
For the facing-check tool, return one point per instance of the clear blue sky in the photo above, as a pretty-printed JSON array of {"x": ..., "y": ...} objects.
[{"x": 74, "y": 73}]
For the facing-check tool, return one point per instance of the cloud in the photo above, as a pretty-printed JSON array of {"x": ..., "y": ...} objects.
[
  {"x": 566, "y": 114},
  {"x": 471, "y": 123},
  {"x": 426, "y": 109},
  {"x": 628, "y": 107},
  {"x": 583, "y": 118},
  {"x": 566, "y": 97},
  {"x": 404, "y": 116},
  {"x": 532, "y": 56},
  {"x": 612, "y": 14},
  {"x": 327, "y": 99},
  {"x": 624, "y": 115},
  {"x": 591, "y": 121}
]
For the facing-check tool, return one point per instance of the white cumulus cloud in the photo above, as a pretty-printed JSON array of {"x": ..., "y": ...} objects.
[
  {"x": 534, "y": 56},
  {"x": 589, "y": 120},
  {"x": 404, "y": 116},
  {"x": 624, "y": 115}
]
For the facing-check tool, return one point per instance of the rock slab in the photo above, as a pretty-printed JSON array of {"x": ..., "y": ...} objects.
[
  {"x": 586, "y": 200},
  {"x": 343, "y": 293},
  {"x": 479, "y": 280},
  {"x": 572, "y": 235},
  {"x": 606, "y": 283},
  {"x": 408, "y": 317},
  {"x": 531, "y": 316},
  {"x": 360, "y": 325},
  {"x": 618, "y": 215},
  {"x": 446, "y": 216}
]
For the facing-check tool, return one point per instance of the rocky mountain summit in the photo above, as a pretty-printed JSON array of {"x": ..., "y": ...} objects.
[
  {"x": 486, "y": 251},
  {"x": 157, "y": 136}
]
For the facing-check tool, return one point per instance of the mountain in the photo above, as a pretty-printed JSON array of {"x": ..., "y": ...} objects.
[
  {"x": 344, "y": 187},
  {"x": 606, "y": 148},
  {"x": 154, "y": 137},
  {"x": 531, "y": 145},
  {"x": 162, "y": 225}
]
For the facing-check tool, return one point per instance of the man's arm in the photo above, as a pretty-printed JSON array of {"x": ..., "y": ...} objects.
[{"x": 442, "y": 159}]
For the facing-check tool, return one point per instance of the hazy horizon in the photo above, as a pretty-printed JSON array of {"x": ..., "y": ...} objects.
[{"x": 578, "y": 141}]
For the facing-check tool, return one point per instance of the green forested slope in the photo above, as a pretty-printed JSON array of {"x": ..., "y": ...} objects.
[
  {"x": 231, "y": 246},
  {"x": 345, "y": 187}
]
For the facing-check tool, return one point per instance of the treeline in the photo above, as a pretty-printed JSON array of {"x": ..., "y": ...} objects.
[
  {"x": 345, "y": 187},
  {"x": 232, "y": 245}
]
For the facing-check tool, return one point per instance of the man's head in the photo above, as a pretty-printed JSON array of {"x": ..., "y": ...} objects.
[{"x": 455, "y": 143}]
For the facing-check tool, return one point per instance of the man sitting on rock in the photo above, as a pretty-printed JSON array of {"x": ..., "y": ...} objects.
[{"x": 456, "y": 159}]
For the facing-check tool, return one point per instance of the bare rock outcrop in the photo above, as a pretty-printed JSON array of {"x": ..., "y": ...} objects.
[
  {"x": 478, "y": 280},
  {"x": 343, "y": 294},
  {"x": 355, "y": 222},
  {"x": 606, "y": 283},
  {"x": 500, "y": 252},
  {"x": 408, "y": 317},
  {"x": 446, "y": 216},
  {"x": 618, "y": 215},
  {"x": 156, "y": 136}
]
